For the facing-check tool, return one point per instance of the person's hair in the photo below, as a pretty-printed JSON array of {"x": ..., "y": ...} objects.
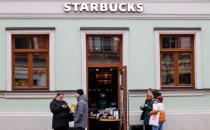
[
  {"x": 156, "y": 93},
  {"x": 80, "y": 91},
  {"x": 59, "y": 93},
  {"x": 150, "y": 89}
]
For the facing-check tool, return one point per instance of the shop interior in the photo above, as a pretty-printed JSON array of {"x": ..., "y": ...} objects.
[{"x": 103, "y": 98}]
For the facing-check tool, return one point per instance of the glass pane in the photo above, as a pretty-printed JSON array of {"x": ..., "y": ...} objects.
[
  {"x": 106, "y": 43},
  {"x": 22, "y": 42},
  {"x": 185, "y": 42},
  {"x": 167, "y": 77},
  {"x": 39, "y": 69},
  {"x": 103, "y": 49},
  {"x": 21, "y": 69},
  {"x": 39, "y": 42},
  {"x": 97, "y": 43},
  {"x": 169, "y": 42},
  {"x": 173, "y": 42},
  {"x": 185, "y": 76},
  {"x": 185, "y": 61},
  {"x": 165, "y": 42},
  {"x": 167, "y": 60}
]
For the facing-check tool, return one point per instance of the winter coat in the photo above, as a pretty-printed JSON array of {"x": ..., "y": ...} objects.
[
  {"x": 60, "y": 114},
  {"x": 147, "y": 108},
  {"x": 81, "y": 113}
]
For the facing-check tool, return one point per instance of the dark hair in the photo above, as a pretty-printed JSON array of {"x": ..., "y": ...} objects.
[
  {"x": 80, "y": 91},
  {"x": 59, "y": 93},
  {"x": 156, "y": 93}
]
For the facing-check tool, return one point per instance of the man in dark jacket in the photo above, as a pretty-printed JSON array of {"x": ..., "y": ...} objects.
[
  {"x": 60, "y": 111},
  {"x": 81, "y": 113}
]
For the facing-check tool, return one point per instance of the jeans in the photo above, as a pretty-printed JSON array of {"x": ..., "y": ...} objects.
[{"x": 159, "y": 127}]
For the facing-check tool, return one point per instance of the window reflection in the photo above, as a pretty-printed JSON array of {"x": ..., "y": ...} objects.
[
  {"x": 30, "y": 61},
  {"x": 184, "y": 42},
  {"x": 167, "y": 60},
  {"x": 103, "y": 49},
  {"x": 185, "y": 66},
  {"x": 22, "y": 42},
  {"x": 39, "y": 69},
  {"x": 167, "y": 76},
  {"x": 169, "y": 42},
  {"x": 39, "y": 42},
  {"x": 21, "y": 69},
  {"x": 176, "y": 61}
]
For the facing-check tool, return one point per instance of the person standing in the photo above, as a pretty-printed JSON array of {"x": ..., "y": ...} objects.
[
  {"x": 158, "y": 100},
  {"x": 60, "y": 110},
  {"x": 81, "y": 113},
  {"x": 146, "y": 108}
]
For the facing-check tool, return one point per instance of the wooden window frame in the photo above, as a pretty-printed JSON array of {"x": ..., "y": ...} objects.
[
  {"x": 176, "y": 52},
  {"x": 30, "y": 53},
  {"x": 103, "y": 64}
]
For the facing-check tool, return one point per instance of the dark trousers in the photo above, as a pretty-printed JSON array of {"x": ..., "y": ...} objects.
[
  {"x": 62, "y": 128},
  {"x": 79, "y": 128},
  {"x": 148, "y": 127}
]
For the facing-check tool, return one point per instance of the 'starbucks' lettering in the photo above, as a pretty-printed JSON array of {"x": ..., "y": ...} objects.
[{"x": 103, "y": 7}]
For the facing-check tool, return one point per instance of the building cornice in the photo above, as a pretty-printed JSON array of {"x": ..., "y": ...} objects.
[{"x": 55, "y": 10}]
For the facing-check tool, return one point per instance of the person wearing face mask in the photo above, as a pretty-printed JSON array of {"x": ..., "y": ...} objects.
[
  {"x": 146, "y": 108},
  {"x": 60, "y": 110}
]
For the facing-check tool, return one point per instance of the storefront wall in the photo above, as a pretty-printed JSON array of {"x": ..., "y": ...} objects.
[
  {"x": 141, "y": 48},
  {"x": 183, "y": 107},
  {"x": 141, "y": 67}
]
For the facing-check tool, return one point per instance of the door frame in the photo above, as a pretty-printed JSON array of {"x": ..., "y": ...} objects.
[
  {"x": 124, "y": 54},
  {"x": 83, "y": 34}
]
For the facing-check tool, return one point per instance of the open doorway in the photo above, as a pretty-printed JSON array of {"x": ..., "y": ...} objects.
[
  {"x": 105, "y": 82},
  {"x": 103, "y": 97}
]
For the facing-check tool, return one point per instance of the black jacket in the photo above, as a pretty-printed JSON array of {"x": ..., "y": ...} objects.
[{"x": 60, "y": 114}]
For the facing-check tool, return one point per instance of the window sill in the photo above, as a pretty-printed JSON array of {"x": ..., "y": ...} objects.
[
  {"x": 175, "y": 92},
  {"x": 29, "y": 94}
]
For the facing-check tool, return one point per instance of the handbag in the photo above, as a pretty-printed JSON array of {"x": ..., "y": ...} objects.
[
  {"x": 70, "y": 116},
  {"x": 142, "y": 115},
  {"x": 154, "y": 119}
]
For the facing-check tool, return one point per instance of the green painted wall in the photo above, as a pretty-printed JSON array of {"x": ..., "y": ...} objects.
[
  {"x": 141, "y": 68},
  {"x": 141, "y": 59},
  {"x": 180, "y": 104},
  {"x": 29, "y": 105}
]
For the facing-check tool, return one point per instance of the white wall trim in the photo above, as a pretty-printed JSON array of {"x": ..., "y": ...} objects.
[
  {"x": 182, "y": 112},
  {"x": 83, "y": 34},
  {"x": 25, "y": 114},
  {"x": 197, "y": 54},
  {"x": 9, "y": 54}
]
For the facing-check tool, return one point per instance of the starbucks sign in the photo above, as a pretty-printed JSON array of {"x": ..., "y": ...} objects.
[{"x": 103, "y": 7}]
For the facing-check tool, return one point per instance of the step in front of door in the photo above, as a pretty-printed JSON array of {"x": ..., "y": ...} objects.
[{"x": 136, "y": 127}]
